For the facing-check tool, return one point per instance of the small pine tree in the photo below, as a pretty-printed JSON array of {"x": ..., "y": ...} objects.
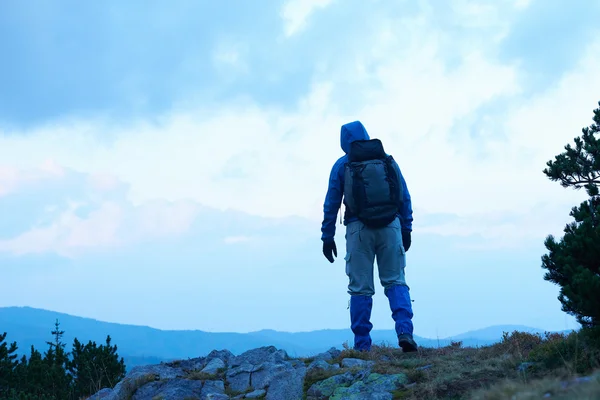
[
  {"x": 573, "y": 263},
  {"x": 95, "y": 367},
  {"x": 58, "y": 381},
  {"x": 57, "y": 374}
]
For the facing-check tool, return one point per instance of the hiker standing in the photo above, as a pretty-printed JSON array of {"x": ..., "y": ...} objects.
[{"x": 378, "y": 220}]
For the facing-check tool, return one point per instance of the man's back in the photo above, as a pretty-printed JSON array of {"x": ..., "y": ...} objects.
[
  {"x": 351, "y": 132},
  {"x": 372, "y": 190},
  {"x": 372, "y": 186}
]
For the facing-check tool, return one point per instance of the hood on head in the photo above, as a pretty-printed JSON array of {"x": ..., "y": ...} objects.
[{"x": 350, "y": 132}]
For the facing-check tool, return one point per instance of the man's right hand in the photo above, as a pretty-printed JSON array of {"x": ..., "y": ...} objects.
[
  {"x": 406, "y": 240},
  {"x": 329, "y": 250}
]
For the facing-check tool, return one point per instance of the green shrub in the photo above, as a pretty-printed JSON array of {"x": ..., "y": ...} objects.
[
  {"x": 576, "y": 352},
  {"x": 519, "y": 344}
]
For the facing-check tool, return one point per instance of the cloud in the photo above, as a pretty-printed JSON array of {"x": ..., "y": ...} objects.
[
  {"x": 69, "y": 233},
  {"x": 200, "y": 152},
  {"x": 147, "y": 260},
  {"x": 464, "y": 133},
  {"x": 547, "y": 39},
  {"x": 92, "y": 214},
  {"x": 119, "y": 59},
  {"x": 236, "y": 239},
  {"x": 296, "y": 12},
  {"x": 12, "y": 178}
]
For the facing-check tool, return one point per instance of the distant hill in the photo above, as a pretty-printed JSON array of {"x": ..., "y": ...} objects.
[
  {"x": 141, "y": 345},
  {"x": 494, "y": 333}
]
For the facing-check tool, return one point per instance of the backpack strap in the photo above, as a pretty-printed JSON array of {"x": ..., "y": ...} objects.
[{"x": 394, "y": 181}]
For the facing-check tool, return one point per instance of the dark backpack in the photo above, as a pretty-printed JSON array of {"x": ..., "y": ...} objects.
[{"x": 372, "y": 189}]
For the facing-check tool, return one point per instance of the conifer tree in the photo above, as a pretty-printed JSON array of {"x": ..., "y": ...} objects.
[
  {"x": 58, "y": 374},
  {"x": 8, "y": 362},
  {"x": 34, "y": 377},
  {"x": 95, "y": 367},
  {"x": 57, "y": 380},
  {"x": 573, "y": 262}
]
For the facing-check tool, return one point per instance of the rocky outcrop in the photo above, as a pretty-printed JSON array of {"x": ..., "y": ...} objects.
[
  {"x": 362, "y": 384},
  {"x": 263, "y": 373}
]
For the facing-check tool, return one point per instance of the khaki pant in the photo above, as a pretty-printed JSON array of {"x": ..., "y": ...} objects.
[{"x": 363, "y": 246}]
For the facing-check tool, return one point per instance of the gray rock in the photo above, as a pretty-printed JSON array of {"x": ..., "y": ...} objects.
[
  {"x": 375, "y": 387},
  {"x": 284, "y": 380},
  {"x": 357, "y": 386},
  {"x": 262, "y": 376},
  {"x": 193, "y": 364},
  {"x": 322, "y": 365},
  {"x": 214, "y": 366},
  {"x": 296, "y": 363},
  {"x": 335, "y": 353},
  {"x": 257, "y": 368},
  {"x": 140, "y": 376},
  {"x": 256, "y": 394},
  {"x": 357, "y": 392},
  {"x": 171, "y": 389},
  {"x": 259, "y": 356},
  {"x": 224, "y": 355},
  {"x": 323, "y": 357},
  {"x": 356, "y": 362},
  {"x": 265, "y": 371},
  {"x": 216, "y": 396},
  {"x": 287, "y": 384},
  {"x": 198, "y": 364},
  {"x": 387, "y": 383},
  {"x": 161, "y": 371},
  {"x": 213, "y": 388},
  {"x": 239, "y": 377},
  {"x": 239, "y": 382},
  {"x": 324, "y": 389},
  {"x": 328, "y": 355},
  {"x": 102, "y": 394}
]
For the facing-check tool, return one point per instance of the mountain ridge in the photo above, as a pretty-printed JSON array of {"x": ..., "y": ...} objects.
[{"x": 141, "y": 345}]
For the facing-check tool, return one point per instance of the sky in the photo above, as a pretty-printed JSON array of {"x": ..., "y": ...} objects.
[{"x": 165, "y": 164}]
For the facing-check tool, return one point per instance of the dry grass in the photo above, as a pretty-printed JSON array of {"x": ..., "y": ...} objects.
[
  {"x": 552, "y": 387},
  {"x": 450, "y": 372},
  {"x": 487, "y": 373},
  {"x": 490, "y": 372},
  {"x": 204, "y": 376}
]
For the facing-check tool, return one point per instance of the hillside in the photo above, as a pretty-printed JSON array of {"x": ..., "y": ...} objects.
[
  {"x": 521, "y": 366},
  {"x": 141, "y": 345}
]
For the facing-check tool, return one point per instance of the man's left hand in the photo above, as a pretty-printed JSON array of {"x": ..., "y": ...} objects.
[{"x": 329, "y": 249}]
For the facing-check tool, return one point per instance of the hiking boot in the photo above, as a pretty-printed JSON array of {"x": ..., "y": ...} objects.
[
  {"x": 401, "y": 308},
  {"x": 406, "y": 341}
]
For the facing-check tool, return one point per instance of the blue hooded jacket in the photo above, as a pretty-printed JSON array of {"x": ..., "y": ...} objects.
[{"x": 349, "y": 133}]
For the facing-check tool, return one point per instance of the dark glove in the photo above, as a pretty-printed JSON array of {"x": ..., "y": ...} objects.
[
  {"x": 329, "y": 249},
  {"x": 406, "y": 240}
]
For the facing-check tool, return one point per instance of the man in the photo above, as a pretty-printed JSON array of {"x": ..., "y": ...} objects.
[{"x": 378, "y": 220}]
